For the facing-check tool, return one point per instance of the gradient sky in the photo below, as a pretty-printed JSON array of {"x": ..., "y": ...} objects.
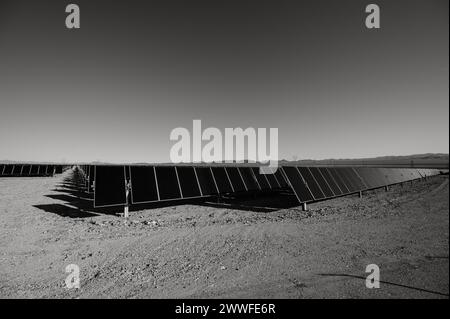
[{"x": 113, "y": 90}]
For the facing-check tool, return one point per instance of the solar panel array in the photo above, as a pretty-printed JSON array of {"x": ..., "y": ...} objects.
[
  {"x": 30, "y": 170},
  {"x": 318, "y": 183},
  {"x": 150, "y": 184}
]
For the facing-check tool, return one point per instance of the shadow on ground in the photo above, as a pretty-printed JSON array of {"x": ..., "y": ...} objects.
[
  {"x": 388, "y": 283},
  {"x": 80, "y": 204}
]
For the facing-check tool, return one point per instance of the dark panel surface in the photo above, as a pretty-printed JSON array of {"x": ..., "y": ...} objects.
[
  {"x": 367, "y": 174},
  {"x": 49, "y": 170},
  {"x": 337, "y": 178},
  {"x": 311, "y": 183},
  {"x": 34, "y": 170},
  {"x": 248, "y": 178},
  {"x": 346, "y": 179},
  {"x": 280, "y": 177},
  {"x": 262, "y": 180},
  {"x": 206, "y": 180},
  {"x": 8, "y": 170},
  {"x": 167, "y": 183},
  {"x": 109, "y": 186},
  {"x": 143, "y": 184},
  {"x": 354, "y": 178},
  {"x": 221, "y": 177},
  {"x": 299, "y": 187},
  {"x": 380, "y": 176},
  {"x": 42, "y": 169},
  {"x": 236, "y": 180},
  {"x": 334, "y": 187},
  {"x": 272, "y": 181},
  {"x": 321, "y": 181},
  {"x": 26, "y": 170},
  {"x": 188, "y": 182}
]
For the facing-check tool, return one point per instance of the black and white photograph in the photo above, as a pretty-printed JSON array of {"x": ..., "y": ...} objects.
[{"x": 224, "y": 155}]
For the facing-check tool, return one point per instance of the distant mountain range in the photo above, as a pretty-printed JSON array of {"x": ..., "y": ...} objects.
[
  {"x": 439, "y": 157},
  {"x": 416, "y": 158}
]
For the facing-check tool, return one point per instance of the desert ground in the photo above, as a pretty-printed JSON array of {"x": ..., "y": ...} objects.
[{"x": 249, "y": 248}]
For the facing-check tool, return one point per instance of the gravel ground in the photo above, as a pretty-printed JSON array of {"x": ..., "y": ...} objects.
[{"x": 225, "y": 251}]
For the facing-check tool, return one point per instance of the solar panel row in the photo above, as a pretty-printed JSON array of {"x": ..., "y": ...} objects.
[
  {"x": 315, "y": 183},
  {"x": 27, "y": 170},
  {"x": 162, "y": 183}
]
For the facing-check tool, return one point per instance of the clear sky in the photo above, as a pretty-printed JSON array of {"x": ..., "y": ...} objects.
[{"x": 113, "y": 90}]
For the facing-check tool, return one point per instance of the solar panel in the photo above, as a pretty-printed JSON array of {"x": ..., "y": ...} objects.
[
  {"x": 109, "y": 186},
  {"x": 261, "y": 179},
  {"x": 329, "y": 179},
  {"x": 380, "y": 176},
  {"x": 404, "y": 175},
  {"x": 236, "y": 179},
  {"x": 272, "y": 181},
  {"x": 299, "y": 187},
  {"x": 206, "y": 181},
  {"x": 49, "y": 170},
  {"x": 367, "y": 174},
  {"x": 8, "y": 170},
  {"x": 59, "y": 169},
  {"x": 25, "y": 170},
  {"x": 222, "y": 180},
  {"x": 143, "y": 184},
  {"x": 188, "y": 182},
  {"x": 338, "y": 179},
  {"x": 355, "y": 178},
  {"x": 311, "y": 183},
  {"x": 280, "y": 177},
  {"x": 397, "y": 174},
  {"x": 249, "y": 179},
  {"x": 350, "y": 178},
  {"x": 168, "y": 184},
  {"x": 346, "y": 179},
  {"x": 321, "y": 181},
  {"x": 34, "y": 170},
  {"x": 150, "y": 184},
  {"x": 16, "y": 169}
]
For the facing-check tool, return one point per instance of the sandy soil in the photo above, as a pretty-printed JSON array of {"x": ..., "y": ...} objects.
[{"x": 225, "y": 251}]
